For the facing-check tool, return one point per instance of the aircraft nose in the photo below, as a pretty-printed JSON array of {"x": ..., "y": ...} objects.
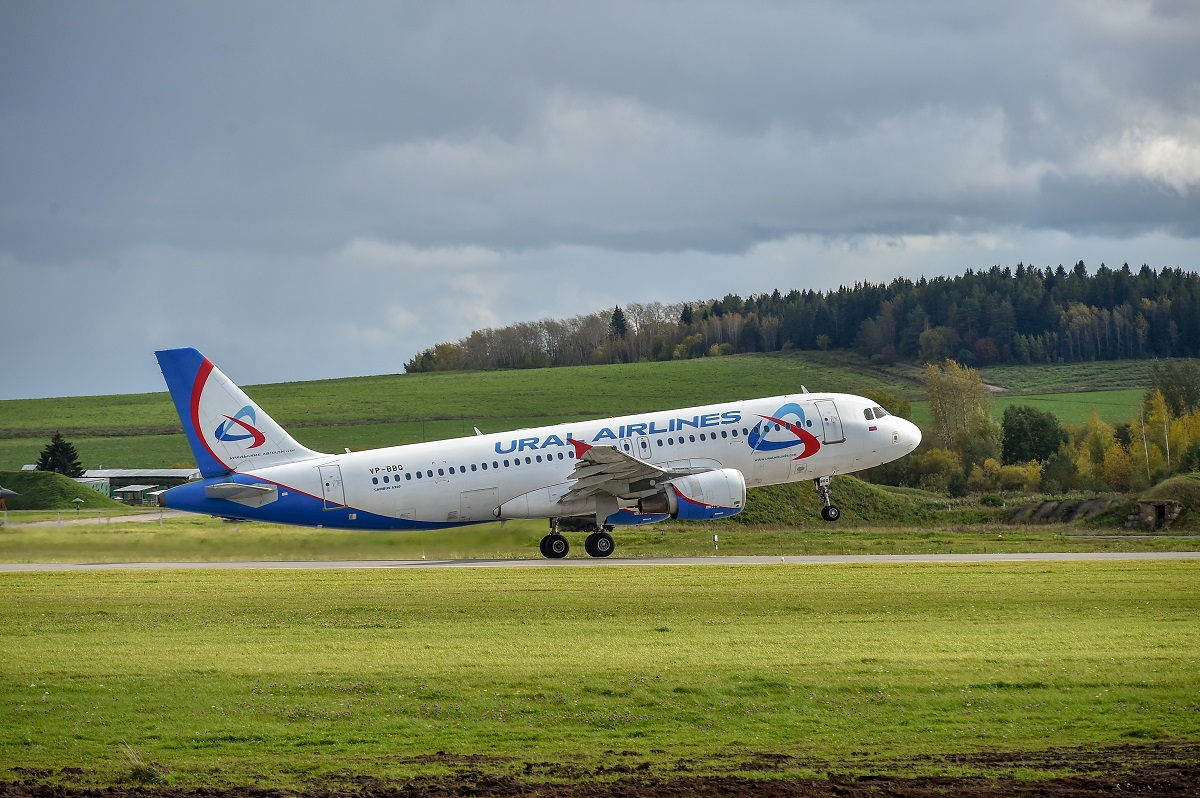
[{"x": 910, "y": 434}]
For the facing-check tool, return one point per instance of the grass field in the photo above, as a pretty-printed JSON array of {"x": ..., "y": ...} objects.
[
  {"x": 142, "y": 430},
  {"x": 280, "y": 678},
  {"x": 204, "y": 539}
]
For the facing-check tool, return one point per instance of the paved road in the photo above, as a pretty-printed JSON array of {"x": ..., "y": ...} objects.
[{"x": 832, "y": 559}]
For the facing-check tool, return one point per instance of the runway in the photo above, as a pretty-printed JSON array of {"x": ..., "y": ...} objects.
[{"x": 831, "y": 559}]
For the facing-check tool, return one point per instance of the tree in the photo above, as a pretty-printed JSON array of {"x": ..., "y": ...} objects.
[
  {"x": 617, "y": 326},
  {"x": 1178, "y": 382},
  {"x": 1030, "y": 434},
  {"x": 60, "y": 457},
  {"x": 961, "y": 410}
]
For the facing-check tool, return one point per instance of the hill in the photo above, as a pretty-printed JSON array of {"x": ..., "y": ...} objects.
[
  {"x": 797, "y": 506},
  {"x": 42, "y": 490}
]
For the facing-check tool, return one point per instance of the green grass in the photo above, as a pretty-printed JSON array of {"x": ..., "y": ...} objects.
[
  {"x": 280, "y": 678},
  {"x": 203, "y": 539}
]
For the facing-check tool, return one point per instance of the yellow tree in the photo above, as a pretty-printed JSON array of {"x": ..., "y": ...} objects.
[
  {"x": 1118, "y": 468},
  {"x": 961, "y": 408}
]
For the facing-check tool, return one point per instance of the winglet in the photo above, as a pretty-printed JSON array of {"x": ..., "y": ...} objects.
[{"x": 581, "y": 448}]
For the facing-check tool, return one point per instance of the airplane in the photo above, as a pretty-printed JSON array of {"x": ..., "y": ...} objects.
[{"x": 689, "y": 464}]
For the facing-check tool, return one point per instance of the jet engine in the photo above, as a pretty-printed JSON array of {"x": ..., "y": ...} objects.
[{"x": 699, "y": 497}]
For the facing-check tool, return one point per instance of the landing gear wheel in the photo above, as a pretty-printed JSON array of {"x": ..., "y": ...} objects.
[
  {"x": 599, "y": 544},
  {"x": 554, "y": 546},
  {"x": 830, "y": 511}
]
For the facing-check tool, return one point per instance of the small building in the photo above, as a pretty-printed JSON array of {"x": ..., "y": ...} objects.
[
  {"x": 118, "y": 478},
  {"x": 96, "y": 484},
  {"x": 1153, "y": 514},
  {"x": 137, "y": 495}
]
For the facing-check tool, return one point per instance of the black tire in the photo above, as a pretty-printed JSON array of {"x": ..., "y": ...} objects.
[
  {"x": 831, "y": 513},
  {"x": 542, "y": 546},
  {"x": 556, "y": 547},
  {"x": 599, "y": 544}
]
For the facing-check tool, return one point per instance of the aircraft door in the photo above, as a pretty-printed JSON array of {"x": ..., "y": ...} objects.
[
  {"x": 331, "y": 487},
  {"x": 833, "y": 423}
]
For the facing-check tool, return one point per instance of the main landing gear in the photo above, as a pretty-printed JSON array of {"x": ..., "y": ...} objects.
[
  {"x": 830, "y": 511},
  {"x": 555, "y": 546}
]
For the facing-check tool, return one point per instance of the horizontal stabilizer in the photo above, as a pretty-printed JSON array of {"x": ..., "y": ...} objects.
[{"x": 249, "y": 495}]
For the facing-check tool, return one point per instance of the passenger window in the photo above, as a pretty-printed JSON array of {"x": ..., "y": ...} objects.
[
  {"x": 724, "y": 434},
  {"x": 451, "y": 469},
  {"x": 473, "y": 467},
  {"x": 539, "y": 458},
  {"x": 735, "y": 433},
  {"x": 660, "y": 443},
  {"x": 441, "y": 472},
  {"x": 484, "y": 466},
  {"x": 408, "y": 476},
  {"x": 418, "y": 475},
  {"x": 506, "y": 464},
  {"x": 692, "y": 438},
  {"x": 495, "y": 464},
  {"x": 374, "y": 480},
  {"x": 429, "y": 473},
  {"x": 527, "y": 461},
  {"x": 385, "y": 480}
]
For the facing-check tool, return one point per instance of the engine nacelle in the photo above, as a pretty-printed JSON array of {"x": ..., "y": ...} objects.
[{"x": 699, "y": 497}]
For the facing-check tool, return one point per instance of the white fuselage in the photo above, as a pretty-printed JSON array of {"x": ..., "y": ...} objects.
[{"x": 467, "y": 480}]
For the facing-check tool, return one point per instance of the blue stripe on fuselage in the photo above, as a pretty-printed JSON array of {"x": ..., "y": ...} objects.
[{"x": 292, "y": 507}]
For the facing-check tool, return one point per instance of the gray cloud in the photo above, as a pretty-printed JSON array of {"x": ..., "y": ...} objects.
[{"x": 392, "y": 175}]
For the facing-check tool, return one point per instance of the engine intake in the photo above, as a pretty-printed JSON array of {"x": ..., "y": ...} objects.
[{"x": 699, "y": 497}]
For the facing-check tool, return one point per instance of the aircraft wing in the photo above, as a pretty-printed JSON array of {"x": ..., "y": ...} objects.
[{"x": 608, "y": 470}]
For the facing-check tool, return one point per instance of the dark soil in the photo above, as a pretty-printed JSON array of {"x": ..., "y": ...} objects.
[{"x": 1157, "y": 769}]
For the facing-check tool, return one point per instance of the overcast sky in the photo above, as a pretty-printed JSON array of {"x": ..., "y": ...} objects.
[{"x": 308, "y": 190}]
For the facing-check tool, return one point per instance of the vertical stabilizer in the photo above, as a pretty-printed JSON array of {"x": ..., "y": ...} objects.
[{"x": 227, "y": 430}]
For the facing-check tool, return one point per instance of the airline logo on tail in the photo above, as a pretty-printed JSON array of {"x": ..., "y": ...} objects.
[{"x": 226, "y": 430}]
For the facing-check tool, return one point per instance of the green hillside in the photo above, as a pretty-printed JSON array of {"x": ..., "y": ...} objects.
[
  {"x": 798, "y": 507},
  {"x": 42, "y": 490},
  {"x": 142, "y": 430}
]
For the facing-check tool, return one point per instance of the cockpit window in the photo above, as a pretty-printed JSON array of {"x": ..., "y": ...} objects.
[
  {"x": 880, "y": 412},
  {"x": 869, "y": 413}
]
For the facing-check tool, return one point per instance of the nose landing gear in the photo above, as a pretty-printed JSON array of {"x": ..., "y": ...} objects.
[{"x": 830, "y": 512}]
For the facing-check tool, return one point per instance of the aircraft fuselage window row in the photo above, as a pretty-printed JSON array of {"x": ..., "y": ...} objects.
[
  {"x": 516, "y": 461},
  {"x": 462, "y": 469}
]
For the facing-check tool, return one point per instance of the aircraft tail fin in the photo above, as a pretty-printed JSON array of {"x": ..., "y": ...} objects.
[{"x": 227, "y": 430}]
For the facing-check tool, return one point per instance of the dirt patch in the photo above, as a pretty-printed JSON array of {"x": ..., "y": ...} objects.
[{"x": 1158, "y": 769}]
